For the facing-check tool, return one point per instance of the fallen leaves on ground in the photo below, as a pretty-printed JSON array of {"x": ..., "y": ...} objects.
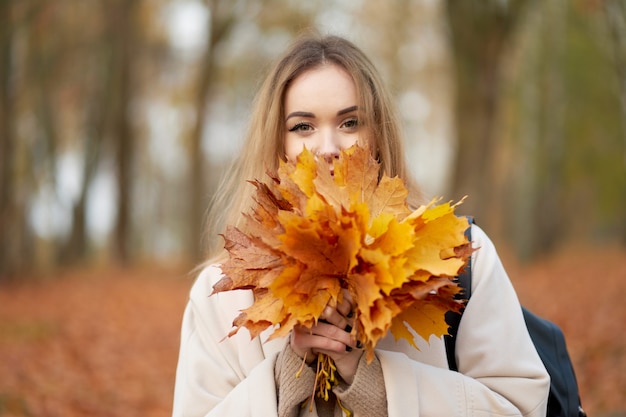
[{"x": 91, "y": 343}]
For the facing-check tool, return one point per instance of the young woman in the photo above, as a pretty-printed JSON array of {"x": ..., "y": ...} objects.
[{"x": 325, "y": 95}]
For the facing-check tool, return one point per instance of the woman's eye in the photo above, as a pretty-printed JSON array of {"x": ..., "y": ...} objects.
[
  {"x": 301, "y": 127},
  {"x": 351, "y": 123}
]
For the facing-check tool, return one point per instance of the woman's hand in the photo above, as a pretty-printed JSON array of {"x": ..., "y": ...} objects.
[{"x": 331, "y": 336}]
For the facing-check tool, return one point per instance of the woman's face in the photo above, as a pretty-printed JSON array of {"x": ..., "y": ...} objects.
[{"x": 321, "y": 113}]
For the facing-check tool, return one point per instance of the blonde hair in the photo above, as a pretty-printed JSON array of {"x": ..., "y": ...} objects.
[{"x": 264, "y": 142}]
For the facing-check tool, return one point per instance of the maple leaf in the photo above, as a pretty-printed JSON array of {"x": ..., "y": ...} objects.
[{"x": 311, "y": 234}]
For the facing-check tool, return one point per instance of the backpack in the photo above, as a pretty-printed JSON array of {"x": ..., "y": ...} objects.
[{"x": 564, "y": 398}]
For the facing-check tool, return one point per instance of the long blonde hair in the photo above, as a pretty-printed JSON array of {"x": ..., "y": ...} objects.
[{"x": 264, "y": 142}]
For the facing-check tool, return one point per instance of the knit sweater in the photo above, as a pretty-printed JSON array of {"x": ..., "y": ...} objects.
[{"x": 365, "y": 396}]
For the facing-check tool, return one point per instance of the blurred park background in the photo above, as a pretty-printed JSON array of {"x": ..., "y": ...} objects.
[{"x": 118, "y": 117}]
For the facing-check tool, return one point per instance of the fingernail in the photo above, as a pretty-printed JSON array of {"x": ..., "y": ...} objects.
[
  {"x": 350, "y": 314},
  {"x": 348, "y": 328},
  {"x": 359, "y": 345},
  {"x": 348, "y": 348}
]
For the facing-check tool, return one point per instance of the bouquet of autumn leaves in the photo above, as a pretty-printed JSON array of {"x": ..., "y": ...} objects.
[{"x": 317, "y": 229}]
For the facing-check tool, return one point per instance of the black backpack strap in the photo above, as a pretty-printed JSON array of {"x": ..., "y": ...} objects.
[
  {"x": 452, "y": 318},
  {"x": 548, "y": 338}
]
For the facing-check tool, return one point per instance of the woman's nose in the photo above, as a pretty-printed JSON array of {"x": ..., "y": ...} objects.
[{"x": 329, "y": 145}]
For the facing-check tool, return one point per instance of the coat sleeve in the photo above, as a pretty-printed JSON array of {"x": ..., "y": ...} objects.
[
  {"x": 500, "y": 372},
  {"x": 218, "y": 375}
]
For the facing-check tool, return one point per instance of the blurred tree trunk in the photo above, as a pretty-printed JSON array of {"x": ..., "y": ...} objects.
[
  {"x": 480, "y": 32},
  {"x": 45, "y": 54},
  {"x": 222, "y": 20},
  {"x": 538, "y": 200},
  {"x": 548, "y": 215},
  {"x": 97, "y": 114},
  {"x": 16, "y": 238},
  {"x": 122, "y": 18},
  {"x": 77, "y": 247},
  {"x": 615, "y": 13},
  {"x": 7, "y": 146}
]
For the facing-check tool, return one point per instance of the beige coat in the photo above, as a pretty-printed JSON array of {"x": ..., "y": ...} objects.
[{"x": 500, "y": 373}]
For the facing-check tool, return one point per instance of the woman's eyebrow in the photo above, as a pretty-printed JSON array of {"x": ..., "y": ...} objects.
[
  {"x": 299, "y": 114},
  {"x": 347, "y": 110},
  {"x": 311, "y": 115}
]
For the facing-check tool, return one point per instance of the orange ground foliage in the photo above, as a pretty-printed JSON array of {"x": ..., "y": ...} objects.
[{"x": 105, "y": 343}]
